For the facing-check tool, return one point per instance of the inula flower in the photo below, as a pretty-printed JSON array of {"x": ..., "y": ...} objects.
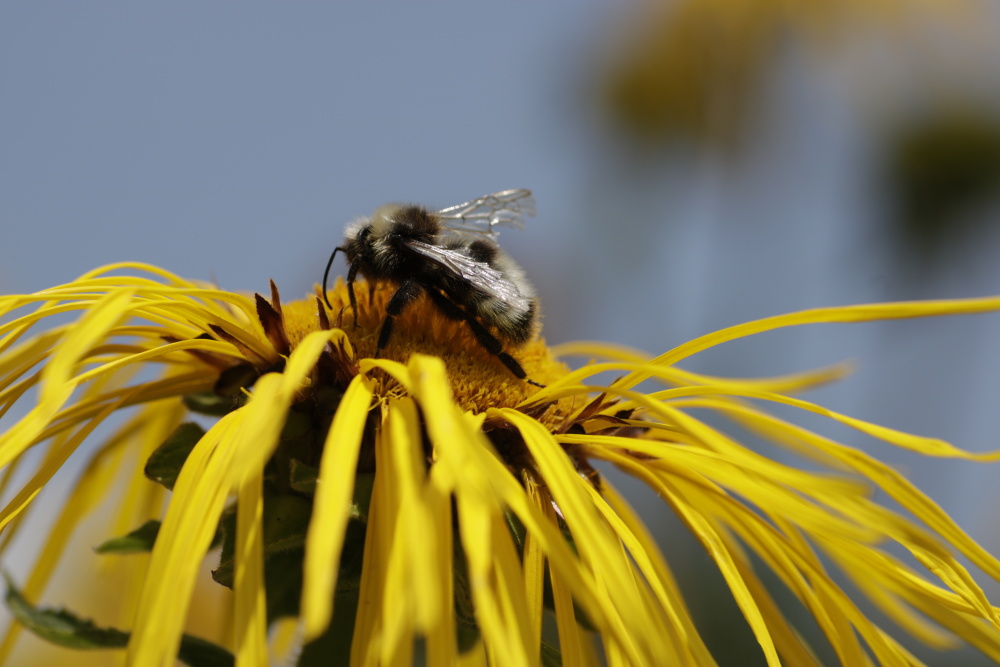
[
  {"x": 698, "y": 68},
  {"x": 427, "y": 506}
]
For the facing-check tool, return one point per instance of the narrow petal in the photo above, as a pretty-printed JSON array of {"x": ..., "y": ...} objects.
[
  {"x": 592, "y": 535},
  {"x": 331, "y": 508},
  {"x": 533, "y": 562},
  {"x": 234, "y": 449},
  {"x": 88, "y": 493},
  {"x": 57, "y": 383},
  {"x": 441, "y": 648},
  {"x": 793, "y": 382},
  {"x": 248, "y": 577},
  {"x": 862, "y": 313},
  {"x": 367, "y": 639},
  {"x": 416, "y": 539},
  {"x": 571, "y": 639},
  {"x": 199, "y": 497}
]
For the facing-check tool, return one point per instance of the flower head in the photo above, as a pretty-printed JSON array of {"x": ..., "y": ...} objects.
[{"x": 429, "y": 494}]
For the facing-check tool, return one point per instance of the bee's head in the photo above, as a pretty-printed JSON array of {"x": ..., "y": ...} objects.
[
  {"x": 357, "y": 236},
  {"x": 404, "y": 220}
]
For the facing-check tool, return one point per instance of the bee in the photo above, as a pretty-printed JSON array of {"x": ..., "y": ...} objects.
[{"x": 452, "y": 256}]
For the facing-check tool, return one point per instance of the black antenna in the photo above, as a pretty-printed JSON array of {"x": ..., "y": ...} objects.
[{"x": 326, "y": 274}]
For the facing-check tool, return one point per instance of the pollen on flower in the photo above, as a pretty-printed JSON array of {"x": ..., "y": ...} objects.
[{"x": 479, "y": 380}]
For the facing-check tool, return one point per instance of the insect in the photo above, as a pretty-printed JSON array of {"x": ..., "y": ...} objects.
[{"x": 451, "y": 256}]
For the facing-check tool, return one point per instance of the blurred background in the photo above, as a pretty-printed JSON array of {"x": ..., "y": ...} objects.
[{"x": 696, "y": 163}]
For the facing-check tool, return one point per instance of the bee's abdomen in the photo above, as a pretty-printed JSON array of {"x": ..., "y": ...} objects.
[{"x": 520, "y": 326}]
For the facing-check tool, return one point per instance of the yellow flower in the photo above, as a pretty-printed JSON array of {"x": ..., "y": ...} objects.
[
  {"x": 698, "y": 68},
  {"x": 430, "y": 495}
]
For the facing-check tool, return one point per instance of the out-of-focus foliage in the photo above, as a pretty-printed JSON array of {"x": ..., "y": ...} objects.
[
  {"x": 939, "y": 169},
  {"x": 696, "y": 68},
  {"x": 684, "y": 70}
]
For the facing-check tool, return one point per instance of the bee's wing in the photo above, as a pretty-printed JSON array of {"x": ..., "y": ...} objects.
[
  {"x": 480, "y": 274},
  {"x": 481, "y": 216}
]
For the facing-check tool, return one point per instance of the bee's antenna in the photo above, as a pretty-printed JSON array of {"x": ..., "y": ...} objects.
[{"x": 326, "y": 274}]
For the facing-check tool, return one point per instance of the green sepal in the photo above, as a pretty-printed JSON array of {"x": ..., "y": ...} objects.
[
  {"x": 138, "y": 541},
  {"x": 164, "y": 465},
  {"x": 64, "y": 628}
]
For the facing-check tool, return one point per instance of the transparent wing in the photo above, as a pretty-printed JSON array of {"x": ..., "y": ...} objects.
[
  {"x": 481, "y": 275},
  {"x": 480, "y": 216}
]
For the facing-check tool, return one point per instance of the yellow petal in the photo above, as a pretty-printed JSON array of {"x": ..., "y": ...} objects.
[
  {"x": 331, "y": 507},
  {"x": 248, "y": 575},
  {"x": 187, "y": 530},
  {"x": 861, "y": 313}
]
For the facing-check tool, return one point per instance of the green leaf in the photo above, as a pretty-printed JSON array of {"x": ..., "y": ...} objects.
[
  {"x": 282, "y": 570},
  {"x": 63, "y": 628},
  {"x": 466, "y": 628},
  {"x": 233, "y": 380},
  {"x": 227, "y": 526},
  {"x": 166, "y": 462},
  {"x": 139, "y": 540},
  {"x": 283, "y": 584},
  {"x": 209, "y": 403},
  {"x": 286, "y": 520},
  {"x": 303, "y": 477},
  {"x": 60, "y": 626},
  {"x": 298, "y": 425},
  {"x": 363, "y": 484},
  {"x": 520, "y": 534},
  {"x": 551, "y": 657},
  {"x": 197, "y": 652},
  {"x": 517, "y": 531},
  {"x": 333, "y": 647}
]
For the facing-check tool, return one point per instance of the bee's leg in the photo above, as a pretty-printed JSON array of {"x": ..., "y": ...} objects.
[
  {"x": 482, "y": 334},
  {"x": 352, "y": 274},
  {"x": 408, "y": 291}
]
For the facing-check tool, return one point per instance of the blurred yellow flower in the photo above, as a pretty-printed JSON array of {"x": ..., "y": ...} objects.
[
  {"x": 428, "y": 505},
  {"x": 697, "y": 68}
]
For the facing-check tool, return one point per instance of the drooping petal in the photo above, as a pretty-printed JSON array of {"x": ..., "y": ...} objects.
[
  {"x": 199, "y": 497},
  {"x": 331, "y": 507},
  {"x": 248, "y": 576},
  {"x": 237, "y": 446}
]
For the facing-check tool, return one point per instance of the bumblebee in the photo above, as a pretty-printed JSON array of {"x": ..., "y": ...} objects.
[{"x": 452, "y": 256}]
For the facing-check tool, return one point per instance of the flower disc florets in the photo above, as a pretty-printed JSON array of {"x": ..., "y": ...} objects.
[{"x": 479, "y": 381}]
